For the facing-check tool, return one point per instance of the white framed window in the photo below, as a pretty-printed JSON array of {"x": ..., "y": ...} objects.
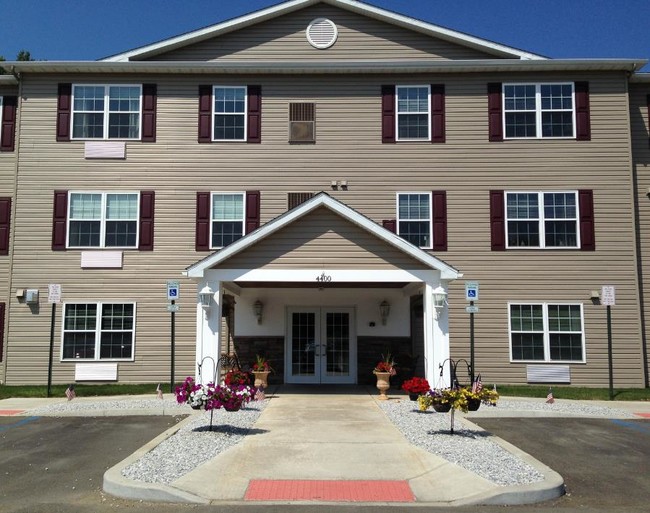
[
  {"x": 103, "y": 219},
  {"x": 539, "y": 110},
  {"x": 414, "y": 218},
  {"x": 98, "y": 331},
  {"x": 229, "y": 113},
  {"x": 413, "y": 113},
  {"x": 546, "y": 332},
  {"x": 106, "y": 111},
  {"x": 542, "y": 220},
  {"x": 227, "y": 216}
]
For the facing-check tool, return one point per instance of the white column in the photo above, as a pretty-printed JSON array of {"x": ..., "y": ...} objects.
[
  {"x": 208, "y": 333},
  {"x": 436, "y": 337}
]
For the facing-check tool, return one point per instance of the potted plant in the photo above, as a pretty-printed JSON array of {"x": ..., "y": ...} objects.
[
  {"x": 228, "y": 397},
  {"x": 237, "y": 377},
  {"x": 261, "y": 370},
  {"x": 415, "y": 386},
  {"x": 384, "y": 369}
]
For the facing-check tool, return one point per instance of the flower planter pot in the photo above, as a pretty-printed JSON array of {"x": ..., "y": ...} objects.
[
  {"x": 383, "y": 384},
  {"x": 195, "y": 406},
  {"x": 441, "y": 407},
  {"x": 414, "y": 397},
  {"x": 473, "y": 404},
  {"x": 232, "y": 408},
  {"x": 261, "y": 378}
]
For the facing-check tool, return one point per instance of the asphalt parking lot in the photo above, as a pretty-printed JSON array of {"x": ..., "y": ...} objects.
[{"x": 55, "y": 465}]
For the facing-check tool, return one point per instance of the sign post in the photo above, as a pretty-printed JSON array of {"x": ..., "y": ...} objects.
[
  {"x": 54, "y": 297},
  {"x": 608, "y": 298},
  {"x": 173, "y": 293},
  {"x": 471, "y": 295}
]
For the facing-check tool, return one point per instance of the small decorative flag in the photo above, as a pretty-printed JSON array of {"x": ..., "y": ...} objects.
[
  {"x": 477, "y": 386},
  {"x": 159, "y": 392},
  {"x": 70, "y": 393},
  {"x": 549, "y": 397},
  {"x": 259, "y": 395}
]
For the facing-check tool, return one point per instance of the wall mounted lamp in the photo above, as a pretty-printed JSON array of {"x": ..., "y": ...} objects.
[
  {"x": 258, "y": 309},
  {"x": 384, "y": 311},
  {"x": 439, "y": 298},
  {"x": 205, "y": 297}
]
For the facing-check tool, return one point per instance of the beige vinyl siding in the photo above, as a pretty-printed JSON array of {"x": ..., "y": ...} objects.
[
  {"x": 348, "y": 147},
  {"x": 640, "y": 124},
  {"x": 284, "y": 38},
  {"x": 322, "y": 239}
]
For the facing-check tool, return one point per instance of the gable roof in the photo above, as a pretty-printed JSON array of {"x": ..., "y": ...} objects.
[
  {"x": 371, "y": 11},
  {"x": 322, "y": 199}
]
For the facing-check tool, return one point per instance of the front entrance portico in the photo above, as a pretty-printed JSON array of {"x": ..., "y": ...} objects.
[{"x": 325, "y": 316}]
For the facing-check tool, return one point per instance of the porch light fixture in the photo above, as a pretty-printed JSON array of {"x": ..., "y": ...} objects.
[
  {"x": 384, "y": 310},
  {"x": 205, "y": 296},
  {"x": 439, "y": 298},
  {"x": 258, "y": 309}
]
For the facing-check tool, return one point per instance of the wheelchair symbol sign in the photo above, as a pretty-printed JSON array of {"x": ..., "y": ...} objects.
[{"x": 471, "y": 291}]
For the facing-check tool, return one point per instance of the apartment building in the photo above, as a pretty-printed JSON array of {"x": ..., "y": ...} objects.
[{"x": 322, "y": 178}]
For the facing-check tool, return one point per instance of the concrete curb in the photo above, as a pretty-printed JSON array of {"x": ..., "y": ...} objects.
[
  {"x": 116, "y": 484},
  {"x": 551, "y": 487}
]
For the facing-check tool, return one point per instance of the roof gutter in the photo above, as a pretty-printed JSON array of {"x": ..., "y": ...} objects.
[{"x": 327, "y": 67}]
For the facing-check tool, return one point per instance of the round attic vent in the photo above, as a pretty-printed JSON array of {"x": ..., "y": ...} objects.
[{"x": 322, "y": 33}]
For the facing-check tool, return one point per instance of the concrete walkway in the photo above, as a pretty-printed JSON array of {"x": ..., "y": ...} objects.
[{"x": 330, "y": 438}]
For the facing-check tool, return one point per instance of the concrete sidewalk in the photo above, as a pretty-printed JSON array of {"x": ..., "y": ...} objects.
[{"x": 334, "y": 438}]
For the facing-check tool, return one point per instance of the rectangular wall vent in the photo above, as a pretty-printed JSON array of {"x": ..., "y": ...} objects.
[
  {"x": 302, "y": 122},
  {"x": 548, "y": 374}
]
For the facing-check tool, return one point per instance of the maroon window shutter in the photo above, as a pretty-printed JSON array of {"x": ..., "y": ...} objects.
[
  {"x": 8, "y": 115},
  {"x": 583, "y": 122},
  {"x": 437, "y": 113},
  {"x": 205, "y": 113},
  {"x": 587, "y": 233},
  {"x": 497, "y": 221},
  {"x": 2, "y": 329},
  {"x": 439, "y": 210},
  {"x": 64, "y": 112},
  {"x": 495, "y": 112},
  {"x": 648, "y": 102},
  {"x": 202, "y": 221},
  {"x": 390, "y": 225},
  {"x": 252, "y": 210},
  {"x": 59, "y": 220},
  {"x": 5, "y": 225},
  {"x": 388, "y": 114},
  {"x": 147, "y": 203},
  {"x": 254, "y": 114},
  {"x": 149, "y": 101}
]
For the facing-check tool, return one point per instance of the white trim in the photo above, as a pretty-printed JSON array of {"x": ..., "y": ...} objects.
[
  {"x": 546, "y": 331},
  {"x": 245, "y": 113},
  {"x": 446, "y": 271},
  {"x": 106, "y": 113},
  {"x": 541, "y": 220},
  {"x": 539, "y": 110},
  {"x": 398, "y": 219},
  {"x": 338, "y": 276},
  {"x": 397, "y": 113},
  {"x": 98, "y": 331},
  {"x": 350, "y": 5}
]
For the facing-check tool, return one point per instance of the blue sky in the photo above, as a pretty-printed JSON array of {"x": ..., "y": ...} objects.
[{"x": 92, "y": 29}]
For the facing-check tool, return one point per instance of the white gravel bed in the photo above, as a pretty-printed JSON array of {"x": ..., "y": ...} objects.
[
  {"x": 469, "y": 448},
  {"x": 565, "y": 407},
  {"x": 194, "y": 444},
  {"x": 168, "y": 404}
]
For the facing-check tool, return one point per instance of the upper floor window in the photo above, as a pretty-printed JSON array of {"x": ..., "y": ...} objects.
[
  {"x": 230, "y": 113},
  {"x": 414, "y": 218},
  {"x": 539, "y": 110},
  {"x": 413, "y": 113},
  {"x": 542, "y": 220},
  {"x": 106, "y": 111},
  {"x": 546, "y": 332},
  {"x": 227, "y": 218},
  {"x": 98, "y": 331},
  {"x": 103, "y": 220}
]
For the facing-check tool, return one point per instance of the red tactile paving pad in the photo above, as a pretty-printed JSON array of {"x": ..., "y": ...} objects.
[
  {"x": 5, "y": 413},
  {"x": 329, "y": 491},
  {"x": 644, "y": 415}
]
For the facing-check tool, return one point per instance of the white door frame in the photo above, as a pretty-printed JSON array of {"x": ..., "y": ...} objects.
[{"x": 320, "y": 371}]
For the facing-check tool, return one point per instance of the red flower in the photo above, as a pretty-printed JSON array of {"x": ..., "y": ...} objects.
[{"x": 416, "y": 385}]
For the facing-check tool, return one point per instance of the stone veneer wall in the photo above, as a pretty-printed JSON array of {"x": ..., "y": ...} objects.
[
  {"x": 370, "y": 350},
  {"x": 272, "y": 348}
]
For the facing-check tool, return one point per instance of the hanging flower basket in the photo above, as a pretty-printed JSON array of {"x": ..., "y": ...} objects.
[{"x": 441, "y": 407}]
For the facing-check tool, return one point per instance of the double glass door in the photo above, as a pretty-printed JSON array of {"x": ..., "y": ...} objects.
[{"x": 321, "y": 345}]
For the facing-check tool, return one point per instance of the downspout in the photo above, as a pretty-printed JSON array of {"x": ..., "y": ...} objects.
[{"x": 637, "y": 239}]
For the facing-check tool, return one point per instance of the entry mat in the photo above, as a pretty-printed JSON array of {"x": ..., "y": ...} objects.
[{"x": 329, "y": 491}]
